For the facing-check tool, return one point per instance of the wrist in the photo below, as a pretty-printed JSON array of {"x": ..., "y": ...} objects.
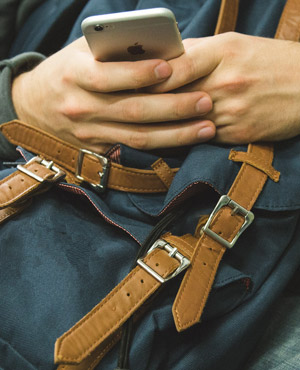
[{"x": 19, "y": 96}]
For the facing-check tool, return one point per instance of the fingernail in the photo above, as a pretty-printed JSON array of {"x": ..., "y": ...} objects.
[
  {"x": 163, "y": 70},
  {"x": 206, "y": 133},
  {"x": 203, "y": 105}
]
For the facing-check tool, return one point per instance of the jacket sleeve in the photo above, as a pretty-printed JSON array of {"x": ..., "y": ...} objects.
[{"x": 9, "y": 69}]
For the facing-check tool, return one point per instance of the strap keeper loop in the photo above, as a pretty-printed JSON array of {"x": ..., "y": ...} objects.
[{"x": 256, "y": 162}]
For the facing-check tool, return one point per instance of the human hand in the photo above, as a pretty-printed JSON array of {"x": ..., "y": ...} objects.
[
  {"x": 254, "y": 83},
  {"x": 88, "y": 103}
]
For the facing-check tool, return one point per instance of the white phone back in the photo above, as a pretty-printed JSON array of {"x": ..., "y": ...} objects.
[{"x": 136, "y": 35}]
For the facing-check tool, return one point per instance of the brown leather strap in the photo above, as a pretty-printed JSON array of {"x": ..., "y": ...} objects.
[
  {"x": 95, "y": 357},
  {"x": 211, "y": 252},
  {"x": 73, "y": 347},
  {"x": 103, "y": 321},
  {"x": 255, "y": 161},
  {"x": 35, "y": 176},
  {"x": 9, "y": 212},
  {"x": 257, "y": 165},
  {"x": 163, "y": 171},
  {"x": 289, "y": 24},
  {"x": 227, "y": 16},
  {"x": 226, "y": 223},
  {"x": 68, "y": 157}
]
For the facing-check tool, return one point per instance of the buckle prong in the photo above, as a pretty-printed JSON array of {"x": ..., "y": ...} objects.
[
  {"x": 225, "y": 200},
  {"x": 173, "y": 253},
  {"x": 59, "y": 174},
  {"x": 103, "y": 176}
]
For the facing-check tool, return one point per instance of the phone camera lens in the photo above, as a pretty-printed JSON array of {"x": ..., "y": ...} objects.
[{"x": 99, "y": 28}]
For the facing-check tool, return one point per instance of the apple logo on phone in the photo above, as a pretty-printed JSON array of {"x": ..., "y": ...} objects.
[{"x": 136, "y": 49}]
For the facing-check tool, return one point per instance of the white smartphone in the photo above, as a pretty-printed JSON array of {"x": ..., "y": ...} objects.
[{"x": 135, "y": 35}]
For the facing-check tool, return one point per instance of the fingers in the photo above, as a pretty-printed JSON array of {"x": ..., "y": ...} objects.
[
  {"x": 146, "y": 137},
  {"x": 146, "y": 108},
  {"x": 96, "y": 76},
  {"x": 201, "y": 57},
  {"x": 117, "y": 76},
  {"x": 135, "y": 108}
]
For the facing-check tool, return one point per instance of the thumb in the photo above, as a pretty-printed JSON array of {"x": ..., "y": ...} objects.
[{"x": 200, "y": 58}]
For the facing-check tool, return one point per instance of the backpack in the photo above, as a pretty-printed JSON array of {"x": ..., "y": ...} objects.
[{"x": 145, "y": 253}]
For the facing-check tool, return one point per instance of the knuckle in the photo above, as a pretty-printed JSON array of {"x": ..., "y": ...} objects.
[
  {"x": 133, "y": 112},
  {"x": 139, "y": 78},
  {"x": 101, "y": 83},
  {"x": 237, "y": 109},
  {"x": 231, "y": 39},
  {"x": 183, "y": 139},
  {"x": 180, "y": 110},
  {"x": 82, "y": 135},
  {"x": 235, "y": 83},
  {"x": 232, "y": 44},
  {"x": 72, "y": 109},
  {"x": 97, "y": 82},
  {"x": 188, "y": 70},
  {"x": 138, "y": 139}
]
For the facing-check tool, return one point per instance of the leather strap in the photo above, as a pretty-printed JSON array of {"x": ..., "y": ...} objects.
[
  {"x": 99, "y": 324},
  {"x": 228, "y": 14},
  {"x": 104, "y": 320},
  {"x": 9, "y": 212},
  {"x": 75, "y": 345},
  {"x": 164, "y": 172},
  {"x": 34, "y": 177},
  {"x": 255, "y": 161},
  {"x": 67, "y": 156},
  {"x": 208, "y": 252},
  {"x": 257, "y": 166},
  {"x": 289, "y": 24},
  {"x": 226, "y": 223}
]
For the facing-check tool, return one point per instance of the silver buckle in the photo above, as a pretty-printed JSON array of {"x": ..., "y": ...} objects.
[
  {"x": 225, "y": 200},
  {"x": 103, "y": 175},
  {"x": 59, "y": 174},
  {"x": 173, "y": 252}
]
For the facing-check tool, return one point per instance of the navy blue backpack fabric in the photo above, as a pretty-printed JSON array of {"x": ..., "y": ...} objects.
[{"x": 65, "y": 252}]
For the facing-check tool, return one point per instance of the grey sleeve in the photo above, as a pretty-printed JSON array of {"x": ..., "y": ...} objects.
[{"x": 8, "y": 70}]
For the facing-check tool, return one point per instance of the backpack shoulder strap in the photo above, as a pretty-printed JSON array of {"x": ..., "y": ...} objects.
[
  {"x": 289, "y": 24},
  {"x": 227, "y": 16}
]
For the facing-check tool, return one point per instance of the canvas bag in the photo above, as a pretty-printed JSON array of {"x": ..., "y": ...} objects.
[{"x": 232, "y": 286}]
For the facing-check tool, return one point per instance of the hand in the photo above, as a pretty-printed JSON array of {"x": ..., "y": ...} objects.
[
  {"x": 254, "y": 83},
  {"x": 88, "y": 103}
]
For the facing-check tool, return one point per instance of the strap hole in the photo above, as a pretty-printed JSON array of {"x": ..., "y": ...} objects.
[
  {"x": 220, "y": 233},
  {"x": 22, "y": 180},
  {"x": 157, "y": 264},
  {"x": 9, "y": 187},
  {"x": 142, "y": 281},
  {"x": 128, "y": 294},
  {"x": 204, "y": 263}
]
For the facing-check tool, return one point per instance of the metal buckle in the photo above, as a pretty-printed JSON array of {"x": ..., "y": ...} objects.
[
  {"x": 101, "y": 187},
  {"x": 225, "y": 200},
  {"x": 59, "y": 174},
  {"x": 173, "y": 252}
]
